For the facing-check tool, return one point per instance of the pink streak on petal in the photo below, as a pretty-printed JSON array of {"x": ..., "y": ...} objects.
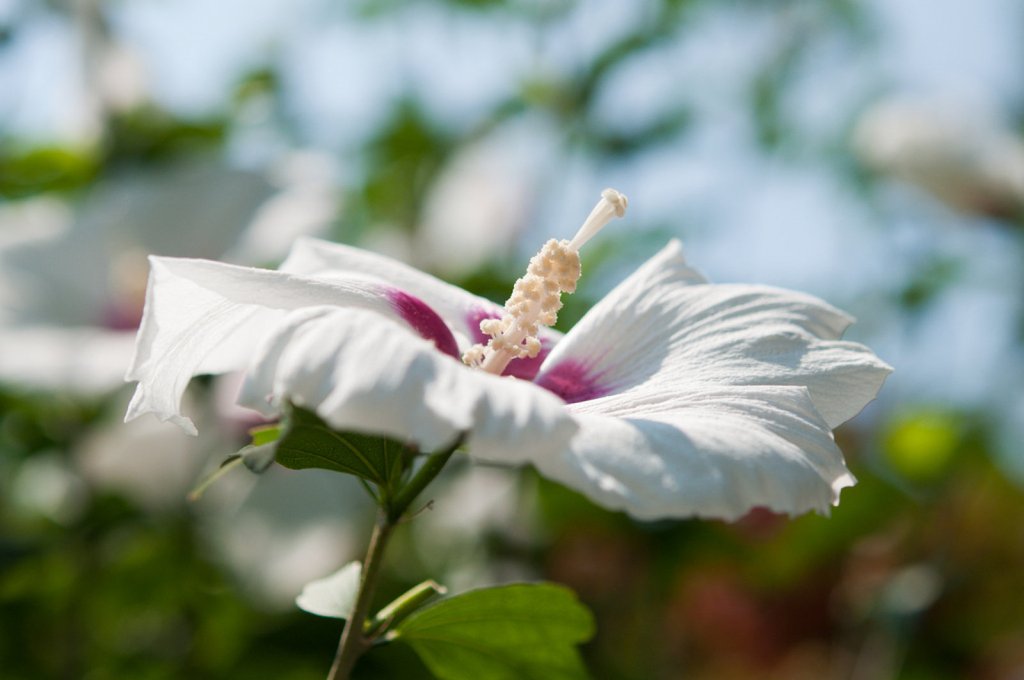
[
  {"x": 574, "y": 382},
  {"x": 524, "y": 369},
  {"x": 424, "y": 320},
  {"x": 473, "y": 320}
]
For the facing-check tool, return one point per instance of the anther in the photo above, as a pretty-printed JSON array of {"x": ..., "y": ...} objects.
[{"x": 536, "y": 297}]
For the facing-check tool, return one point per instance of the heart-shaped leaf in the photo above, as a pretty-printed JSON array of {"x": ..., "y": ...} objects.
[{"x": 515, "y": 632}]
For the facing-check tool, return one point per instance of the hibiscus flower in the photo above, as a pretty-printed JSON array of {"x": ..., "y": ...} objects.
[{"x": 671, "y": 397}]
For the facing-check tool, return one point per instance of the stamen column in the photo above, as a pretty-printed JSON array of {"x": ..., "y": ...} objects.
[{"x": 537, "y": 296}]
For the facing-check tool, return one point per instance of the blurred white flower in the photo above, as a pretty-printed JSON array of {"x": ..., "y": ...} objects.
[
  {"x": 964, "y": 158},
  {"x": 275, "y": 545},
  {"x": 23, "y": 224},
  {"x": 72, "y": 282},
  {"x": 147, "y": 462},
  {"x": 482, "y": 200},
  {"x": 305, "y": 204},
  {"x": 672, "y": 397},
  {"x": 270, "y": 543},
  {"x": 72, "y": 285},
  {"x": 45, "y": 485}
]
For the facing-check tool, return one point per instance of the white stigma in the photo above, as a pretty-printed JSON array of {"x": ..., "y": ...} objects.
[
  {"x": 612, "y": 204},
  {"x": 537, "y": 296}
]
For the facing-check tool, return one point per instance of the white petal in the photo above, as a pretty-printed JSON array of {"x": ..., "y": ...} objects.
[
  {"x": 706, "y": 453},
  {"x": 460, "y": 309},
  {"x": 333, "y": 596},
  {"x": 206, "y": 317},
  {"x": 663, "y": 329},
  {"x": 362, "y": 372}
]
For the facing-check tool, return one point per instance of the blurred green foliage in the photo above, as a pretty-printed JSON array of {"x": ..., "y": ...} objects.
[
  {"x": 121, "y": 594},
  {"x": 921, "y": 447},
  {"x": 402, "y": 160},
  {"x": 44, "y": 169}
]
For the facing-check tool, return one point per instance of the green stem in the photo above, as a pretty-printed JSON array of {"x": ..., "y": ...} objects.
[
  {"x": 353, "y": 643},
  {"x": 354, "y": 640},
  {"x": 226, "y": 467},
  {"x": 424, "y": 476}
]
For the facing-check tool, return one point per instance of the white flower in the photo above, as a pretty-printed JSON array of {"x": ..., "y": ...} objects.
[
  {"x": 672, "y": 397},
  {"x": 492, "y": 181},
  {"x": 964, "y": 158}
]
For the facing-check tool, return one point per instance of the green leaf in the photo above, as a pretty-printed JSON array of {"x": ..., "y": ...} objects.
[
  {"x": 308, "y": 442},
  {"x": 333, "y": 596},
  {"x": 515, "y": 632}
]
